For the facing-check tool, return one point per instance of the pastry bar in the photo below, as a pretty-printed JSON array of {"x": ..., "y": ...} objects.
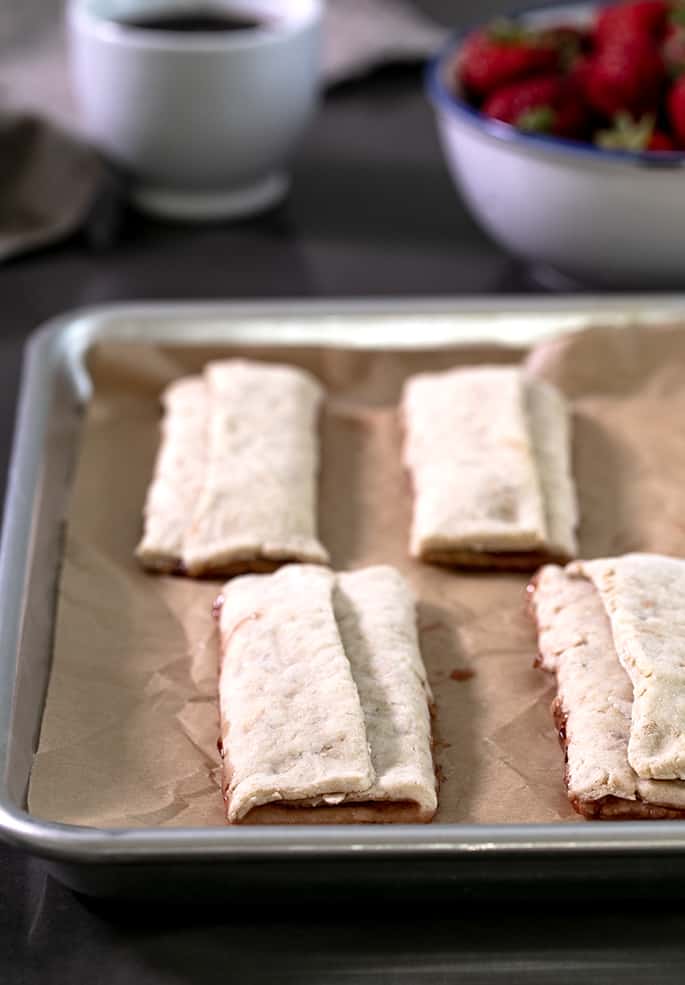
[
  {"x": 178, "y": 476},
  {"x": 325, "y": 705},
  {"x": 234, "y": 487},
  {"x": 488, "y": 451},
  {"x": 613, "y": 632}
]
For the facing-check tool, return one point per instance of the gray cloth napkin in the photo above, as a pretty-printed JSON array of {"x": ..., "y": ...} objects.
[{"x": 51, "y": 180}]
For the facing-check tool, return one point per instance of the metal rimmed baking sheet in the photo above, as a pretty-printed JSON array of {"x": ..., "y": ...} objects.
[{"x": 55, "y": 388}]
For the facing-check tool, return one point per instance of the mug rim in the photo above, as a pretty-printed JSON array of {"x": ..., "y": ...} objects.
[{"x": 112, "y": 31}]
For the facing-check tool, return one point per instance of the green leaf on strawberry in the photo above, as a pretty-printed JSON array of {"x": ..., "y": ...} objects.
[
  {"x": 633, "y": 135},
  {"x": 539, "y": 119},
  {"x": 677, "y": 16},
  {"x": 507, "y": 32},
  {"x": 626, "y": 133}
]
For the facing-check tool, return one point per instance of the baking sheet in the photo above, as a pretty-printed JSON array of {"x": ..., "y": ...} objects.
[{"x": 130, "y": 725}]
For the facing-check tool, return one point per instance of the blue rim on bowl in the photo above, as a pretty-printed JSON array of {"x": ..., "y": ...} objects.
[{"x": 444, "y": 99}]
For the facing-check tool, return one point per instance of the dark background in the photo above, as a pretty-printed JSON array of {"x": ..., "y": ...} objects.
[{"x": 372, "y": 213}]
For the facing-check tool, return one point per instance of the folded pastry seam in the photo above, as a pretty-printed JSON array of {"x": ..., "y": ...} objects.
[
  {"x": 234, "y": 485},
  {"x": 595, "y": 708},
  {"x": 643, "y": 597},
  {"x": 324, "y": 699},
  {"x": 488, "y": 451}
]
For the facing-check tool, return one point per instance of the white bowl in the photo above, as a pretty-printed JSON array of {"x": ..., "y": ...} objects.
[
  {"x": 614, "y": 218},
  {"x": 204, "y": 123}
]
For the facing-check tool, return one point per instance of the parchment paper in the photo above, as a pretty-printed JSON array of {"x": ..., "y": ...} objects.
[{"x": 130, "y": 726}]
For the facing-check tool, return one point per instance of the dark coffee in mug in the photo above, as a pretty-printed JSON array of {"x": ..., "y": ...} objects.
[{"x": 193, "y": 22}]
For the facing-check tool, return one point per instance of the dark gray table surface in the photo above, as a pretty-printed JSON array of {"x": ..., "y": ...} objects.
[{"x": 372, "y": 212}]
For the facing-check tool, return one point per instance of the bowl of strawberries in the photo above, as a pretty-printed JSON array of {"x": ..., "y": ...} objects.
[{"x": 564, "y": 129}]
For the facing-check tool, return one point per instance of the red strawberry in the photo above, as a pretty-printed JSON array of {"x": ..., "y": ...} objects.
[
  {"x": 578, "y": 75},
  {"x": 673, "y": 49},
  {"x": 546, "y": 104},
  {"x": 660, "y": 141},
  {"x": 627, "y": 75},
  {"x": 500, "y": 54},
  {"x": 642, "y": 18},
  {"x": 676, "y": 110}
]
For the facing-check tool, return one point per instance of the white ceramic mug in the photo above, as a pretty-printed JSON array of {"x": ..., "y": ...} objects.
[{"x": 204, "y": 123}]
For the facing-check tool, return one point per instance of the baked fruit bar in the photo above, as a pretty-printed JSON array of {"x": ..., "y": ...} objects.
[
  {"x": 488, "y": 452},
  {"x": 613, "y": 631},
  {"x": 178, "y": 476},
  {"x": 324, "y": 701},
  {"x": 234, "y": 486}
]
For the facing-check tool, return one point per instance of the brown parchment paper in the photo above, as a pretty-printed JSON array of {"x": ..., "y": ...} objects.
[{"x": 130, "y": 726}]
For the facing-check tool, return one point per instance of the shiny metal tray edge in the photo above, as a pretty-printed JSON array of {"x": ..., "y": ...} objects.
[{"x": 58, "y": 349}]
